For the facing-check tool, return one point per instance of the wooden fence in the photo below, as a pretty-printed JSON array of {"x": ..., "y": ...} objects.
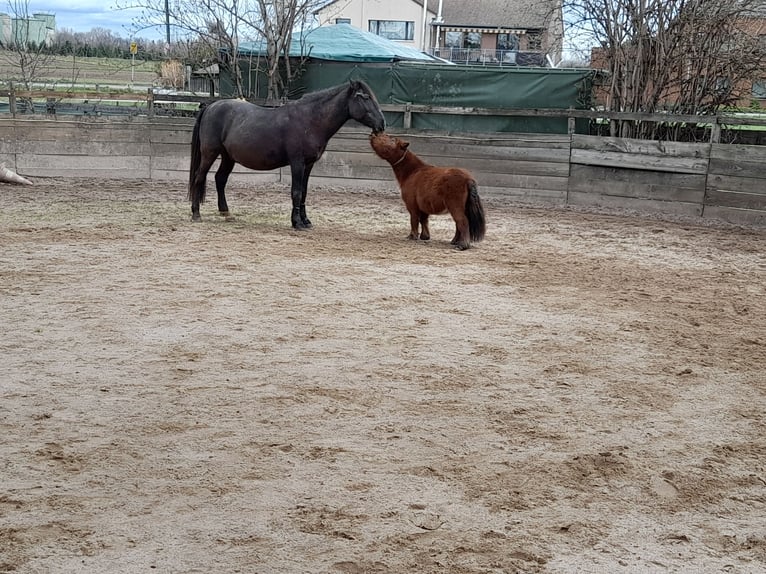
[{"x": 706, "y": 180}]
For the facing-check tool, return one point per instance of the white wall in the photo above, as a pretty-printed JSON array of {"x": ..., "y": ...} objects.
[{"x": 362, "y": 11}]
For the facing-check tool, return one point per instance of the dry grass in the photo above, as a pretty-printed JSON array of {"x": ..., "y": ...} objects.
[{"x": 64, "y": 71}]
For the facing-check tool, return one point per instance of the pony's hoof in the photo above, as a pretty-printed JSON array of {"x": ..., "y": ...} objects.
[
  {"x": 425, "y": 237},
  {"x": 461, "y": 246},
  {"x": 196, "y": 219}
]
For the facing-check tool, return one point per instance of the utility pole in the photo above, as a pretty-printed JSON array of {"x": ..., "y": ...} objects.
[{"x": 167, "y": 21}]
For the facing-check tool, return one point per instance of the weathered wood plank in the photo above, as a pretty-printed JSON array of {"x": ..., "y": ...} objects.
[
  {"x": 84, "y": 166},
  {"x": 735, "y": 215},
  {"x": 739, "y": 168},
  {"x": 663, "y": 186},
  {"x": 717, "y": 182},
  {"x": 734, "y": 152},
  {"x": 526, "y": 195},
  {"x": 78, "y": 146},
  {"x": 635, "y": 204},
  {"x": 735, "y": 199},
  {"x": 642, "y": 147},
  {"x": 639, "y": 162}
]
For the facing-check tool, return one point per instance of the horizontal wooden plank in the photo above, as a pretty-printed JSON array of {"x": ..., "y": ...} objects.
[
  {"x": 440, "y": 148},
  {"x": 641, "y": 147},
  {"x": 734, "y": 152},
  {"x": 739, "y": 168},
  {"x": 661, "y": 186},
  {"x": 639, "y": 162},
  {"x": 635, "y": 204},
  {"x": 526, "y": 195},
  {"x": 741, "y": 200},
  {"x": 82, "y": 161},
  {"x": 751, "y": 185},
  {"x": 79, "y": 146},
  {"x": 736, "y": 216}
]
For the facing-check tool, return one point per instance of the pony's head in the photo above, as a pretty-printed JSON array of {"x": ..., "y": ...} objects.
[
  {"x": 389, "y": 148},
  {"x": 364, "y": 108}
]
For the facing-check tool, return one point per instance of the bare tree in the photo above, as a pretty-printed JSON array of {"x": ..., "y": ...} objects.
[
  {"x": 25, "y": 50},
  {"x": 681, "y": 56},
  {"x": 224, "y": 24}
]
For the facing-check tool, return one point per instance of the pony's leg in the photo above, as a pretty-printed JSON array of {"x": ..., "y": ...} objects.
[
  {"x": 221, "y": 177},
  {"x": 305, "y": 183},
  {"x": 414, "y": 221},
  {"x": 425, "y": 232},
  {"x": 462, "y": 237}
]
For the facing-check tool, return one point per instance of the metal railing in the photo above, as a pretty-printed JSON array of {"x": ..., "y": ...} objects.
[{"x": 486, "y": 57}]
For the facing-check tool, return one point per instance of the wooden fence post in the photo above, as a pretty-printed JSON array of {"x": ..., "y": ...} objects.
[
  {"x": 715, "y": 131},
  {"x": 12, "y": 100},
  {"x": 149, "y": 102}
]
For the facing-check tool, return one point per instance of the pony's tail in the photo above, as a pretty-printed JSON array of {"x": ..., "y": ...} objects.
[
  {"x": 197, "y": 194},
  {"x": 474, "y": 211}
]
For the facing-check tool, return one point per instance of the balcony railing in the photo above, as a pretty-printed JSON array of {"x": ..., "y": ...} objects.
[{"x": 484, "y": 57}]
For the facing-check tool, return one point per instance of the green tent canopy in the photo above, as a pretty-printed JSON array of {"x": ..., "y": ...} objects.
[{"x": 343, "y": 43}]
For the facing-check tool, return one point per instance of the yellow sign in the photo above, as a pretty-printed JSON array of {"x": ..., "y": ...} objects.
[{"x": 133, "y": 47}]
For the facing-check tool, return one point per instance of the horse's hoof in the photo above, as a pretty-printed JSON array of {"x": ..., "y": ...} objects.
[
  {"x": 461, "y": 246},
  {"x": 425, "y": 237},
  {"x": 224, "y": 213},
  {"x": 196, "y": 219},
  {"x": 307, "y": 223}
]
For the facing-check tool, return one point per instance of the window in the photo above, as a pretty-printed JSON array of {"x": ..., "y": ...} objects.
[
  {"x": 462, "y": 40},
  {"x": 453, "y": 39},
  {"x": 343, "y": 20},
  {"x": 534, "y": 41},
  {"x": 507, "y": 42},
  {"x": 393, "y": 29},
  {"x": 473, "y": 40},
  {"x": 759, "y": 89}
]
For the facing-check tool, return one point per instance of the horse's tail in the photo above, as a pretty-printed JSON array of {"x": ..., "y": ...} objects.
[
  {"x": 196, "y": 193},
  {"x": 474, "y": 211}
]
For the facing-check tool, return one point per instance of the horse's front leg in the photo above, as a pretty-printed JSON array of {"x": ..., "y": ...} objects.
[
  {"x": 298, "y": 195},
  {"x": 221, "y": 177},
  {"x": 305, "y": 185}
]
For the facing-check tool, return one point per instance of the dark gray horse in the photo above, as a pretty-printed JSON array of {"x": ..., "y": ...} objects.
[{"x": 261, "y": 138}]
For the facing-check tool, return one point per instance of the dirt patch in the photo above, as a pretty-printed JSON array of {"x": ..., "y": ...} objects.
[{"x": 579, "y": 392}]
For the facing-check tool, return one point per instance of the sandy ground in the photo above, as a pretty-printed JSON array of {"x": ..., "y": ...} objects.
[{"x": 578, "y": 393}]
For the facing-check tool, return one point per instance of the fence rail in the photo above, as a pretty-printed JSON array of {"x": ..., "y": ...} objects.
[{"x": 151, "y": 102}]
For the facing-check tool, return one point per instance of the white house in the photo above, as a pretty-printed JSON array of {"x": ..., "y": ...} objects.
[
  {"x": 517, "y": 32},
  {"x": 405, "y": 21}
]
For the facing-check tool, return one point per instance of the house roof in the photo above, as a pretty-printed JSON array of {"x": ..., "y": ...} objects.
[
  {"x": 524, "y": 14},
  {"x": 343, "y": 43}
]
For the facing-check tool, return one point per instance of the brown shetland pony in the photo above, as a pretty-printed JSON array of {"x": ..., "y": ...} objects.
[{"x": 431, "y": 190}]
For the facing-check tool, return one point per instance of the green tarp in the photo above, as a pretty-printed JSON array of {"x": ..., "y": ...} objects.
[{"x": 454, "y": 86}]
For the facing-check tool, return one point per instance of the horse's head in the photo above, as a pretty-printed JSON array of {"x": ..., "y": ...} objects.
[
  {"x": 364, "y": 108},
  {"x": 389, "y": 148}
]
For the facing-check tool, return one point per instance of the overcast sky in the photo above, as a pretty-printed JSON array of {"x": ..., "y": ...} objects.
[{"x": 84, "y": 15}]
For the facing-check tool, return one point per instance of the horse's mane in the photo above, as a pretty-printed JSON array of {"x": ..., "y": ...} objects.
[{"x": 329, "y": 93}]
